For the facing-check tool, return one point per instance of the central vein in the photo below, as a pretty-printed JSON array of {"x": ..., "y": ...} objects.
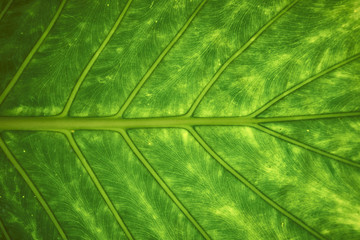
[{"x": 109, "y": 123}]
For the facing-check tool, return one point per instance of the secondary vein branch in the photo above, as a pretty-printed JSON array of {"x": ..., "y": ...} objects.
[
  {"x": 92, "y": 61},
  {"x": 97, "y": 183},
  {"x": 158, "y": 61},
  {"x": 234, "y": 56},
  {"x": 3, "y": 231},
  {"x": 33, "y": 188},
  {"x": 2, "y": 13},
  {"x": 162, "y": 184},
  {"x": 305, "y": 146},
  {"x": 27, "y": 60},
  {"x": 248, "y": 184},
  {"x": 301, "y": 84}
]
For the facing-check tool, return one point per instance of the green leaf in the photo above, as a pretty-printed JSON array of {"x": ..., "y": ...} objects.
[{"x": 193, "y": 119}]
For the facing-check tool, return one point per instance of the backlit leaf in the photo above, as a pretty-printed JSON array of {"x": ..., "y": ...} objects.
[{"x": 180, "y": 119}]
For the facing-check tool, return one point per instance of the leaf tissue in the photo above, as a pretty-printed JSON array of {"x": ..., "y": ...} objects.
[{"x": 180, "y": 119}]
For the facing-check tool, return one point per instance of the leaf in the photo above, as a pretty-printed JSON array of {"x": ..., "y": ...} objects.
[{"x": 197, "y": 119}]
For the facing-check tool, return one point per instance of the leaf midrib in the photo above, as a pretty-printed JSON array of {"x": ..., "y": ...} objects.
[{"x": 109, "y": 123}]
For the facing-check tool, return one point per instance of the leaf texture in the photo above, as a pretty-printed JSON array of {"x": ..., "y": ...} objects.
[{"x": 196, "y": 119}]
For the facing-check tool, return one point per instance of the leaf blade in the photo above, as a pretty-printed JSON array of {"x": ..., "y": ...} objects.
[
  {"x": 27, "y": 60},
  {"x": 3, "y": 12},
  {"x": 2, "y": 227},
  {"x": 163, "y": 184},
  {"x": 264, "y": 121},
  {"x": 158, "y": 61},
  {"x": 233, "y": 57},
  {"x": 251, "y": 186},
  {"x": 33, "y": 188},
  {"x": 97, "y": 184},
  {"x": 86, "y": 70}
]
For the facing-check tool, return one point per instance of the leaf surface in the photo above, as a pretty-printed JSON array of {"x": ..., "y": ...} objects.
[{"x": 197, "y": 119}]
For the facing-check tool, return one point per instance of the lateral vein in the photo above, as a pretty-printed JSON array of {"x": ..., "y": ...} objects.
[
  {"x": 33, "y": 188},
  {"x": 234, "y": 56},
  {"x": 301, "y": 84},
  {"x": 306, "y": 117},
  {"x": 92, "y": 61},
  {"x": 97, "y": 183},
  {"x": 3, "y": 230},
  {"x": 162, "y": 184},
  {"x": 305, "y": 146},
  {"x": 248, "y": 184},
  {"x": 2, "y": 13},
  {"x": 27, "y": 60},
  {"x": 158, "y": 61}
]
